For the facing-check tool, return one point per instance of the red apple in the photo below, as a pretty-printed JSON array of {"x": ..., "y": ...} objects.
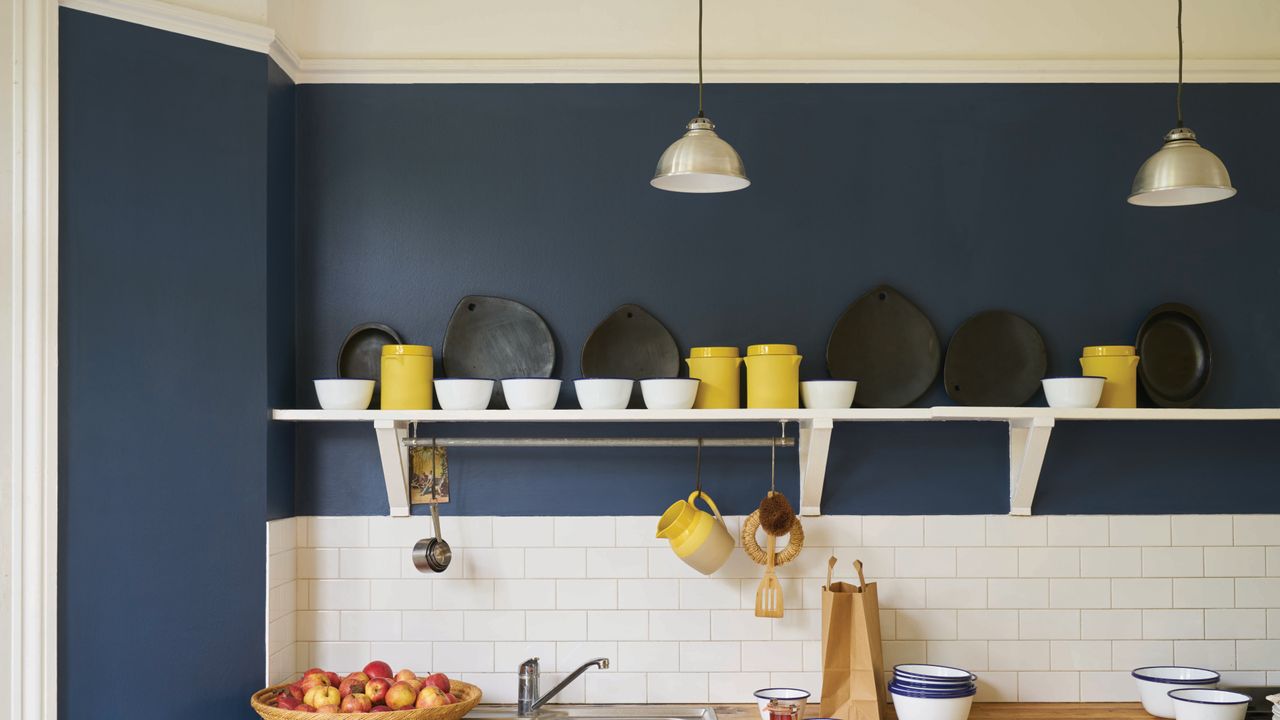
[
  {"x": 406, "y": 675},
  {"x": 334, "y": 680},
  {"x": 312, "y": 682},
  {"x": 452, "y": 698},
  {"x": 356, "y": 703},
  {"x": 431, "y": 696},
  {"x": 295, "y": 690},
  {"x": 377, "y": 688},
  {"x": 401, "y": 695},
  {"x": 287, "y": 702},
  {"x": 377, "y": 669},
  {"x": 305, "y": 708},
  {"x": 313, "y": 670},
  {"x": 328, "y": 709},
  {"x": 350, "y": 686},
  {"x": 440, "y": 680},
  {"x": 380, "y": 708},
  {"x": 323, "y": 695},
  {"x": 358, "y": 675},
  {"x": 416, "y": 683}
]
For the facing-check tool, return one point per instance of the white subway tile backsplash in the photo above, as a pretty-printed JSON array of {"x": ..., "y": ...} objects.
[
  {"x": 1242, "y": 678},
  {"x": 1257, "y": 529},
  {"x": 1078, "y": 530},
  {"x": 1201, "y": 530},
  {"x": 1234, "y": 562},
  {"x": 1042, "y": 607}
]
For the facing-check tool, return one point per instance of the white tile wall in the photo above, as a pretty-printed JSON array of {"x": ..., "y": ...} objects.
[{"x": 1042, "y": 608}]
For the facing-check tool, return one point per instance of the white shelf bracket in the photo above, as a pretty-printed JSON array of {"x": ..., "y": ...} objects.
[
  {"x": 1028, "y": 442},
  {"x": 395, "y": 463},
  {"x": 814, "y": 445}
]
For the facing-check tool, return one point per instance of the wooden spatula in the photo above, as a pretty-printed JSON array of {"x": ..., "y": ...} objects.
[{"x": 769, "y": 594}]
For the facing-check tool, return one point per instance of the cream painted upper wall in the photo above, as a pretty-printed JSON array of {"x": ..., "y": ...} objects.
[
  {"x": 771, "y": 29},
  {"x": 254, "y": 11}
]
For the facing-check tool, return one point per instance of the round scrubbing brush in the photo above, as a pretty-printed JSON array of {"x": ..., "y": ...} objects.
[{"x": 776, "y": 515}]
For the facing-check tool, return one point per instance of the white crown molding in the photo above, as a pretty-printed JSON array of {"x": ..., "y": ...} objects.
[
  {"x": 260, "y": 38},
  {"x": 184, "y": 21}
]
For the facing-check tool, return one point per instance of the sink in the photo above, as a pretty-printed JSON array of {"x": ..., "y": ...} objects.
[{"x": 599, "y": 712}]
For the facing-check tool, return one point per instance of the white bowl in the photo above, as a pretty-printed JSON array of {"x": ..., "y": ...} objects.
[
  {"x": 603, "y": 393},
  {"x": 344, "y": 394},
  {"x": 1204, "y": 704},
  {"x": 1073, "y": 392},
  {"x": 828, "y": 394},
  {"x": 531, "y": 393},
  {"x": 908, "y": 707},
  {"x": 792, "y": 696},
  {"x": 464, "y": 393},
  {"x": 925, "y": 674},
  {"x": 1155, "y": 682},
  {"x": 669, "y": 393}
]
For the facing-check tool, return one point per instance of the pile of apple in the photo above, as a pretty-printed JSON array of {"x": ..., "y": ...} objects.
[{"x": 374, "y": 689}]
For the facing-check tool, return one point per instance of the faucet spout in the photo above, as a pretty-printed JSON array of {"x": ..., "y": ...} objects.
[{"x": 528, "y": 690}]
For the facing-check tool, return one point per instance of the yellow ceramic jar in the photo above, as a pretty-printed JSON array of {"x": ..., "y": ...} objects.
[
  {"x": 697, "y": 538},
  {"x": 406, "y": 377},
  {"x": 718, "y": 370},
  {"x": 773, "y": 376},
  {"x": 1119, "y": 365}
]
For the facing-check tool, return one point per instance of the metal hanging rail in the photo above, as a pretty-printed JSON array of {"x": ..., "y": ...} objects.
[{"x": 655, "y": 442}]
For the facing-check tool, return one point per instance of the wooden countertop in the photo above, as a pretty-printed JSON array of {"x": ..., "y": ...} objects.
[{"x": 998, "y": 711}]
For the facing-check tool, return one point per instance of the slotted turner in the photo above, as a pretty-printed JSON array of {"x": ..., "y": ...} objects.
[{"x": 769, "y": 593}]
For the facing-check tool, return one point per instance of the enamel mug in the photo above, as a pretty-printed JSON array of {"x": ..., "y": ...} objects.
[
  {"x": 699, "y": 539},
  {"x": 1119, "y": 365}
]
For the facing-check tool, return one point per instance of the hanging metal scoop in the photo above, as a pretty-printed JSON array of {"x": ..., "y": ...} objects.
[{"x": 432, "y": 554}]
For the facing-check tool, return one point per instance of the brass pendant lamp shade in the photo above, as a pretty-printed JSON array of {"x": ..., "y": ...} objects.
[
  {"x": 700, "y": 161},
  {"x": 1181, "y": 172}
]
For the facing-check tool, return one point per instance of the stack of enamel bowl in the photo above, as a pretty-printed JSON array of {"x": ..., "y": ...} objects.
[
  {"x": 932, "y": 692},
  {"x": 1155, "y": 682}
]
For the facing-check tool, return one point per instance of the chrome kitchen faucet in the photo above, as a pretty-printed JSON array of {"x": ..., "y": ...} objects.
[{"x": 527, "y": 700}]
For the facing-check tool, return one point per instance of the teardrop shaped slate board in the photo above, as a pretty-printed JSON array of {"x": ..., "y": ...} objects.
[
  {"x": 361, "y": 354},
  {"x": 492, "y": 337},
  {"x": 888, "y": 345},
  {"x": 1175, "y": 358},
  {"x": 995, "y": 358},
  {"x": 631, "y": 343}
]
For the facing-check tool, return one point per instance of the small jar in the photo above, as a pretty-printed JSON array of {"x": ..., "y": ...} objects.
[
  {"x": 1119, "y": 365},
  {"x": 773, "y": 376},
  {"x": 719, "y": 370},
  {"x": 406, "y": 377},
  {"x": 782, "y": 710}
]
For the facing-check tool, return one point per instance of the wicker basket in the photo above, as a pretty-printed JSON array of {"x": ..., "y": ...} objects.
[{"x": 468, "y": 697}]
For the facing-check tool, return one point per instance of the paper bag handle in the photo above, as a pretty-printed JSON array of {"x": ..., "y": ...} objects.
[
  {"x": 831, "y": 565},
  {"x": 862, "y": 581}
]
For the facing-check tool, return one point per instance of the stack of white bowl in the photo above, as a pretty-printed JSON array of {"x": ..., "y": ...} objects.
[
  {"x": 1155, "y": 682},
  {"x": 932, "y": 692}
]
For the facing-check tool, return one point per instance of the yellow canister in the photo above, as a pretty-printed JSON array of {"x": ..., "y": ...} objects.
[
  {"x": 406, "y": 377},
  {"x": 1119, "y": 365},
  {"x": 773, "y": 376},
  {"x": 718, "y": 370}
]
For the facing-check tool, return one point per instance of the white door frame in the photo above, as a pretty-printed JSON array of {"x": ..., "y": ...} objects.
[{"x": 33, "y": 409}]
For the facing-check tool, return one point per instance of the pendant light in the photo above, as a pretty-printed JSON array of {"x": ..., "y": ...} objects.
[
  {"x": 700, "y": 162},
  {"x": 1181, "y": 172}
]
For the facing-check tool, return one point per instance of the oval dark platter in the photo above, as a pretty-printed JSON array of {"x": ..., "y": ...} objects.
[
  {"x": 492, "y": 337},
  {"x": 1175, "y": 357},
  {"x": 994, "y": 359},
  {"x": 888, "y": 345}
]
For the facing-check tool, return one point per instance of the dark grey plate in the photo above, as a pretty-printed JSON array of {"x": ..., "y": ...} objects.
[
  {"x": 1175, "y": 359},
  {"x": 361, "y": 354},
  {"x": 995, "y": 358},
  {"x": 491, "y": 337},
  {"x": 631, "y": 343},
  {"x": 888, "y": 345}
]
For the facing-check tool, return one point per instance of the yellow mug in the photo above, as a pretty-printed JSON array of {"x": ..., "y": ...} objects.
[{"x": 700, "y": 540}]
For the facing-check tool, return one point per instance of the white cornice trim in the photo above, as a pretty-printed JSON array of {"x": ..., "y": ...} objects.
[
  {"x": 780, "y": 71},
  {"x": 260, "y": 38},
  {"x": 184, "y": 21}
]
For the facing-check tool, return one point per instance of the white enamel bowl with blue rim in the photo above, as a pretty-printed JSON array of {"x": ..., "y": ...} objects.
[
  {"x": 1155, "y": 682},
  {"x": 791, "y": 696},
  {"x": 1073, "y": 392},
  {"x": 931, "y": 705},
  {"x": 828, "y": 394},
  {"x": 531, "y": 393},
  {"x": 464, "y": 393},
  {"x": 1206, "y": 704},
  {"x": 669, "y": 393},
  {"x": 603, "y": 393},
  {"x": 932, "y": 675}
]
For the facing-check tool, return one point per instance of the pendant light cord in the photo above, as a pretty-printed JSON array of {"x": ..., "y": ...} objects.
[
  {"x": 1179, "y": 63},
  {"x": 700, "y": 57}
]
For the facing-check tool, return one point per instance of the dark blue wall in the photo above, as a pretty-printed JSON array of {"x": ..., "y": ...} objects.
[
  {"x": 964, "y": 197},
  {"x": 166, "y": 156},
  {"x": 280, "y": 171}
]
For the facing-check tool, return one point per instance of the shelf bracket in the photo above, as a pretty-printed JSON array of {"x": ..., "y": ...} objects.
[
  {"x": 815, "y": 443},
  {"x": 1028, "y": 442},
  {"x": 395, "y": 464}
]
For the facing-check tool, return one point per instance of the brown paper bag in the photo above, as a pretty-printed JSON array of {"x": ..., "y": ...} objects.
[{"x": 852, "y": 665}]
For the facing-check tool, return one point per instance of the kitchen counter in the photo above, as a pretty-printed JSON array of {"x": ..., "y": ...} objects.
[{"x": 993, "y": 711}]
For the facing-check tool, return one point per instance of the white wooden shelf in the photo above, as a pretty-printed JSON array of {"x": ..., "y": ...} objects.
[{"x": 1029, "y": 432}]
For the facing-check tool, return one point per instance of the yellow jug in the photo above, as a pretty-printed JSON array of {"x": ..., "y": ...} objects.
[
  {"x": 718, "y": 369},
  {"x": 700, "y": 540},
  {"x": 406, "y": 377},
  {"x": 773, "y": 376},
  {"x": 1119, "y": 365}
]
